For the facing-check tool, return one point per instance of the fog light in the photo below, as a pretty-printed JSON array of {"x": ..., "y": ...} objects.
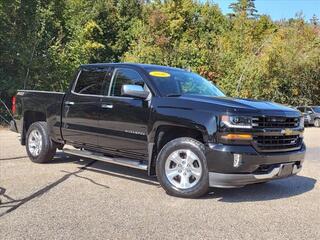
[
  {"x": 240, "y": 136},
  {"x": 237, "y": 158}
]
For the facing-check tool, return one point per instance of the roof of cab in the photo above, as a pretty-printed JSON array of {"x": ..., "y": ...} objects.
[{"x": 140, "y": 65}]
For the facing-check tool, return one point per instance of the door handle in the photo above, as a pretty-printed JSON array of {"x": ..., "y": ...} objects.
[
  {"x": 109, "y": 106},
  {"x": 68, "y": 103}
]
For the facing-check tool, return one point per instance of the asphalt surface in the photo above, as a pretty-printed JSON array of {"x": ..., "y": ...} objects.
[{"x": 73, "y": 198}]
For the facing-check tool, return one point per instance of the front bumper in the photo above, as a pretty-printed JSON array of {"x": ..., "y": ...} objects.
[
  {"x": 254, "y": 167},
  {"x": 239, "y": 180}
]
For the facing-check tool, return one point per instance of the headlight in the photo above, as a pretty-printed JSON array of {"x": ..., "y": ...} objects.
[{"x": 236, "y": 121}]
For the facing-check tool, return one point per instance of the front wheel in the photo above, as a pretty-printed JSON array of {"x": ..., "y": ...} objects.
[
  {"x": 182, "y": 168},
  {"x": 317, "y": 122},
  {"x": 39, "y": 145}
]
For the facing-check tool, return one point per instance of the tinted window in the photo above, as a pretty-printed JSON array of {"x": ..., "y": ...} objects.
[
  {"x": 308, "y": 109},
  {"x": 124, "y": 76},
  {"x": 301, "y": 109},
  {"x": 90, "y": 82}
]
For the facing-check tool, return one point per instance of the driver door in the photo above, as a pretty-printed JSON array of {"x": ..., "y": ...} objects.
[{"x": 124, "y": 120}]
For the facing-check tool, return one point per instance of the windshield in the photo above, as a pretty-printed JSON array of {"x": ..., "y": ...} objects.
[
  {"x": 179, "y": 82},
  {"x": 316, "y": 109}
]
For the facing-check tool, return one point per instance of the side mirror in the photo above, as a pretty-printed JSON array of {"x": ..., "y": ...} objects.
[
  {"x": 134, "y": 91},
  {"x": 310, "y": 112}
]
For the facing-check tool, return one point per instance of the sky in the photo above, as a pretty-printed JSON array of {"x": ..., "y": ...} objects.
[{"x": 280, "y": 9}]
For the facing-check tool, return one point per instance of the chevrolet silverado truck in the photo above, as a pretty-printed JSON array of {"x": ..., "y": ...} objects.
[{"x": 170, "y": 122}]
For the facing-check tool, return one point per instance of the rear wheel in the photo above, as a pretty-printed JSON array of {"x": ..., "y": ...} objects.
[
  {"x": 39, "y": 145},
  {"x": 317, "y": 122},
  {"x": 182, "y": 168}
]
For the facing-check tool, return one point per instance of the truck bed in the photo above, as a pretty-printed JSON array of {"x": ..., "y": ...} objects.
[{"x": 44, "y": 103}]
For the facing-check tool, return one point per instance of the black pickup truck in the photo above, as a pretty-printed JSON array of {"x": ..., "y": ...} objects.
[{"x": 168, "y": 121}]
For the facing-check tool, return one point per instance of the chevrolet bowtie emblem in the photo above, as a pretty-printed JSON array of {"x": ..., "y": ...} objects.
[{"x": 287, "y": 131}]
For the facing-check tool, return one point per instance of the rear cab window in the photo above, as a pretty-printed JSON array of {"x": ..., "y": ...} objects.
[{"x": 91, "y": 81}]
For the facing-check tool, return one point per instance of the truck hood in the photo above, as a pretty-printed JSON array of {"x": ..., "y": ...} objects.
[{"x": 241, "y": 105}]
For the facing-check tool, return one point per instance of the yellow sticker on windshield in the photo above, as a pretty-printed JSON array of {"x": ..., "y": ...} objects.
[{"x": 159, "y": 74}]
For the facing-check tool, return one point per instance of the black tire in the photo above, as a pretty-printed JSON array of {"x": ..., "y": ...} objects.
[
  {"x": 48, "y": 148},
  {"x": 317, "y": 122},
  {"x": 202, "y": 186}
]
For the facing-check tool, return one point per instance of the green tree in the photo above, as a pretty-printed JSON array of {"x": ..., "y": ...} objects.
[
  {"x": 244, "y": 8},
  {"x": 179, "y": 33},
  {"x": 42, "y": 42}
]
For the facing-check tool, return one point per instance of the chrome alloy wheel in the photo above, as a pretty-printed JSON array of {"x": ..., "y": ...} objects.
[
  {"x": 35, "y": 143},
  {"x": 183, "y": 169}
]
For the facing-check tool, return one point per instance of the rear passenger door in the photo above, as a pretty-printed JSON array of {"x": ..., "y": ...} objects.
[
  {"x": 81, "y": 109},
  {"x": 124, "y": 120}
]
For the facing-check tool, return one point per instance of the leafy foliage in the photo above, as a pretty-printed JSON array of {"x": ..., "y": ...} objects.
[{"x": 42, "y": 42}]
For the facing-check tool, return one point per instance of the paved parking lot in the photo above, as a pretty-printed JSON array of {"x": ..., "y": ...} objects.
[{"x": 73, "y": 198}]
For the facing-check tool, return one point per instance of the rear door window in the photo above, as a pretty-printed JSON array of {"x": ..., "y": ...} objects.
[{"x": 90, "y": 81}]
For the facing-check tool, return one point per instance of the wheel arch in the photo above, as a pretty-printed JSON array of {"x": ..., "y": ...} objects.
[
  {"x": 165, "y": 133},
  {"x": 30, "y": 117}
]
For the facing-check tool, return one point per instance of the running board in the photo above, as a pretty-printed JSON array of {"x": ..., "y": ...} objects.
[{"x": 116, "y": 160}]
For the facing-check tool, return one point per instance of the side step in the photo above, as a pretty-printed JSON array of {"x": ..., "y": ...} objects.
[{"x": 116, "y": 160}]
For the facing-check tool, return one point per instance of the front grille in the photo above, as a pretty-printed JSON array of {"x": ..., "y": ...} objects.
[
  {"x": 275, "y": 122},
  {"x": 277, "y": 143}
]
